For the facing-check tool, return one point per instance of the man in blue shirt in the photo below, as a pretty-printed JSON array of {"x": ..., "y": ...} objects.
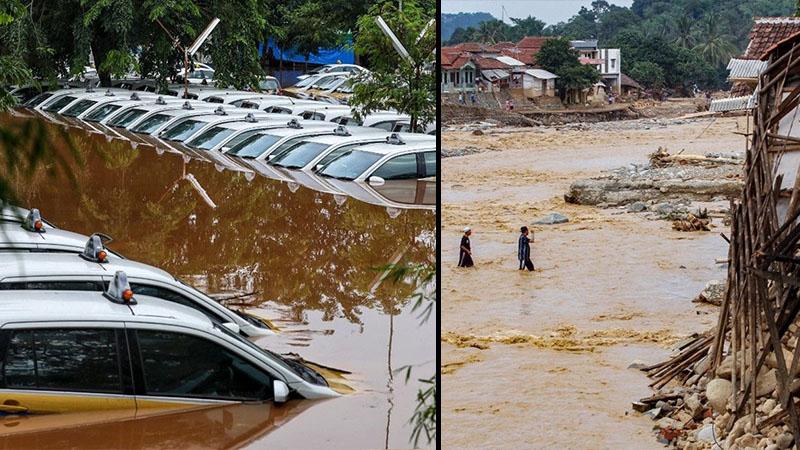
[{"x": 524, "y": 250}]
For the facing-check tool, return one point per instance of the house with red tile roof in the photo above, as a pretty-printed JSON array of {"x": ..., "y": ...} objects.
[{"x": 767, "y": 32}]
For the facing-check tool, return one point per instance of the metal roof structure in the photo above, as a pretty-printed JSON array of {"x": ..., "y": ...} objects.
[
  {"x": 509, "y": 61},
  {"x": 541, "y": 74},
  {"x": 745, "y": 68},
  {"x": 733, "y": 104}
]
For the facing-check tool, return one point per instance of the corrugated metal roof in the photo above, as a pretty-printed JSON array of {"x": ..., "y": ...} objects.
[
  {"x": 733, "y": 104},
  {"x": 745, "y": 68},
  {"x": 494, "y": 74},
  {"x": 509, "y": 60},
  {"x": 541, "y": 74}
]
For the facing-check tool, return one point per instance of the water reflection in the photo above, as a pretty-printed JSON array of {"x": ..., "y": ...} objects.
[
  {"x": 292, "y": 245},
  {"x": 230, "y": 426}
]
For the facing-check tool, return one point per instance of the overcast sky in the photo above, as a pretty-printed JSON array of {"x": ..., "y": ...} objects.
[{"x": 550, "y": 11}]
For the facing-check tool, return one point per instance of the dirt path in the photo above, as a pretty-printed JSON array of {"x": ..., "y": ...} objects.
[{"x": 540, "y": 360}]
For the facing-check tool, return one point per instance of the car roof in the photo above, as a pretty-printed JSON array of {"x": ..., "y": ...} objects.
[
  {"x": 308, "y": 126},
  {"x": 261, "y": 121},
  {"x": 357, "y": 134},
  {"x": 14, "y": 265},
  {"x": 13, "y": 235},
  {"x": 413, "y": 142},
  {"x": 56, "y": 306}
]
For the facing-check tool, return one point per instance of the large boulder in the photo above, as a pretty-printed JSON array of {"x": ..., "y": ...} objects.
[{"x": 718, "y": 391}]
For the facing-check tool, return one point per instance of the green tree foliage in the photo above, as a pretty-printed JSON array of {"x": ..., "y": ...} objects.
[
  {"x": 558, "y": 57},
  {"x": 648, "y": 74},
  {"x": 55, "y": 38},
  {"x": 396, "y": 83}
]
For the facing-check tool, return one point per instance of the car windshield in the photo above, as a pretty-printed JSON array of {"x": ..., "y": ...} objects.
[
  {"x": 183, "y": 130},
  {"x": 268, "y": 85},
  {"x": 303, "y": 153},
  {"x": 286, "y": 146},
  {"x": 210, "y": 138},
  {"x": 126, "y": 118},
  {"x": 78, "y": 108},
  {"x": 101, "y": 113},
  {"x": 60, "y": 103},
  {"x": 151, "y": 124},
  {"x": 240, "y": 138},
  {"x": 254, "y": 146},
  {"x": 350, "y": 165},
  {"x": 38, "y": 99}
]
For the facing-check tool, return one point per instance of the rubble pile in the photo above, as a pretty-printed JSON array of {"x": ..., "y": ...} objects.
[
  {"x": 737, "y": 386},
  {"x": 664, "y": 178}
]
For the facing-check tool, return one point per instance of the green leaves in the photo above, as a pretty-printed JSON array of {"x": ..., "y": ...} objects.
[{"x": 408, "y": 87}]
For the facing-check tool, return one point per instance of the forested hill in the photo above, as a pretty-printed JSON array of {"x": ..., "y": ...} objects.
[
  {"x": 461, "y": 20},
  {"x": 672, "y": 43}
]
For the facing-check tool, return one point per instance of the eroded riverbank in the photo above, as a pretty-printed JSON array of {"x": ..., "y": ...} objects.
[{"x": 541, "y": 359}]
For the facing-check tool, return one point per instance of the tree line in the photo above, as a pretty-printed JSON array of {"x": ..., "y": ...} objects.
[{"x": 674, "y": 44}]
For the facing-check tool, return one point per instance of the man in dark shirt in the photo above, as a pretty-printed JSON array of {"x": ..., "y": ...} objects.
[
  {"x": 465, "y": 253},
  {"x": 524, "y": 250}
]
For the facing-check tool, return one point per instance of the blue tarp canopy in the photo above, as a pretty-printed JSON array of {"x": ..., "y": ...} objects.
[{"x": 324, "y": 55}]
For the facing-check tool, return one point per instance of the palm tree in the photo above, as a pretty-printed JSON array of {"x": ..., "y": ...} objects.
[
  {"x": 684, "y": 28},
  {"x": 714, "y": 46}
]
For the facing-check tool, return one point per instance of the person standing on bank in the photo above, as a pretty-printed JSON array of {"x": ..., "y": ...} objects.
[
  {"x": 465, "y": 253},
  {"x": 524, "y": 250}
]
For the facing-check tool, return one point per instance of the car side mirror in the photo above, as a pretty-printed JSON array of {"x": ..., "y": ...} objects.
[
  {"x": 376, "y": 181},
  {"x": 316, "y": 168},
  {"x": 231, "y": 326},
  {"x": 281, "y": 391}
]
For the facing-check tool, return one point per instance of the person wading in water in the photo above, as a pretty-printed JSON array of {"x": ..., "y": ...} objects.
[
  {"x": 524, "y": 250},
  {"x": 465, "y": 255}
]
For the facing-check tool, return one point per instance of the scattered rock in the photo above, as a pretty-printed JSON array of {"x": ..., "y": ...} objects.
[
  {"x": 784, "y": 440},
  {"x": 637, "y": 207},
  {"x": 694, "y": 406},
  {"x": 766, "y": 383},
  {"x": 706, "y": 434},
  {"x": 552, "y": 219},
  {"x": 713, "y": 293},
  {"x": 637, "y": 364}
]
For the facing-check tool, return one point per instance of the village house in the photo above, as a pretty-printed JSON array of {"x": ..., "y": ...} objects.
[
  {"x": 472, "y": 66},
  {"x": 744, "y": 70}
]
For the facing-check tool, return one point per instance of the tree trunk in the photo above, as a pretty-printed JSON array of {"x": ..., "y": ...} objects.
[{"x": 101, "y": 45}]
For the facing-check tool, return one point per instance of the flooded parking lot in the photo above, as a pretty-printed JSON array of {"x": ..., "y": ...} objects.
[{"x": 305, "y": 260}]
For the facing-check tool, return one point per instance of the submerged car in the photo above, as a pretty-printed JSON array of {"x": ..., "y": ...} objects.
[
  {"x": 313, "y": 151},
  {"x": 117, "y": 350},
  {"x": 401, "y": 157},
  {"x": 87, "y": 271}
]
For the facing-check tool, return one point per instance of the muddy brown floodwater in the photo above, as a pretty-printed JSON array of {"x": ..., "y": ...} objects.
[
  {"x": 540, "y": 360},
  {"x": 311, "y": 260}
]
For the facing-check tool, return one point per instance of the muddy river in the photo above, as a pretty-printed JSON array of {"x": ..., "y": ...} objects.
[
  {"x": 304, "y": 259},
  {"x": 540, "y": 360}
]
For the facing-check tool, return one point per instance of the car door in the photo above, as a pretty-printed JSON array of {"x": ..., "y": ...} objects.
[
  {"x": 62, "y": 368},
  {"x": 174, "y": 369}
]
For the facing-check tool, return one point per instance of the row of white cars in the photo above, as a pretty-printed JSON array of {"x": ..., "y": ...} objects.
[
  {"x": 83, "y": 329},
  {"x": 319, "y": 145}
]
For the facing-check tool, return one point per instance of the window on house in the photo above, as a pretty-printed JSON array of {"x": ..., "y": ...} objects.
[{"x": 613, "y": 62}]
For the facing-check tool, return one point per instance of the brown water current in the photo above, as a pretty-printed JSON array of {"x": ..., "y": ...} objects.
[
  {"x": 540, "y": 360},
  {"x": 306, "y": 260}
]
